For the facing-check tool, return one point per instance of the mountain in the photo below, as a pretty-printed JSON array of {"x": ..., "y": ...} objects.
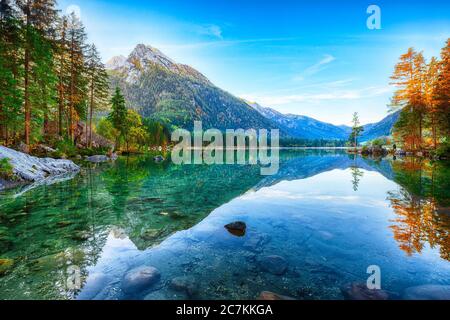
[
  {"x": 177, "y": 94},
  {"x": 159, "y": 88},
  {"x": 380, "y": 129},
  {"x": 303, "y": 127}
]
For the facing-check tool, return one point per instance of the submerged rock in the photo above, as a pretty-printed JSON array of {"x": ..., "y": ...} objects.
[
  {"x": 267, "y": 295},
  {"x": 427, "y": 292},
  {"x": 359, "y": 291},
  {"x": 97, "y": 158},
  {"x": 32, "y": 169},
  {"x": 274, "y": 264},
  {"x": 140, "y": 278},
  {"x": 236, "y": 228},
  {"x": 256, "y": 241},
  {"x": 184, "y": 284}
]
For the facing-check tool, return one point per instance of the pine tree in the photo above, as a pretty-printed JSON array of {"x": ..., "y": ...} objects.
[
  {"x": 97, "y": 86},
  {"x": 357, "y": 129},
  {"x": 38, "y": 17},
  {"x": 118, "y": 114},
  {"x": 62, "y": 70},
  {"x": 10, "y": 71},
  {"x": 77, "y": 82}
]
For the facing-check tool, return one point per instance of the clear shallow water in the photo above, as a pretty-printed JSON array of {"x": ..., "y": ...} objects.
[{"x": 328, "y": 215}]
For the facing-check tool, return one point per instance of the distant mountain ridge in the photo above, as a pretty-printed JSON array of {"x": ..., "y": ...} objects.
[
  {"x": 298, "y": 126},
  {"x": 177, "y": 94}
]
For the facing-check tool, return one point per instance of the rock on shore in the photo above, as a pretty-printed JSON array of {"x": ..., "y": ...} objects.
[{"x": 27, "y": 168}]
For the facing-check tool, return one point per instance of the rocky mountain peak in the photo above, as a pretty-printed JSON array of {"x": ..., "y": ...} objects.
[
  {"x": 145, "y": 55},
  {"x": 116, "y": 62}
]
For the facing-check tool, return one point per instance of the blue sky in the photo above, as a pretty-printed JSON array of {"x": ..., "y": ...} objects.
[{"x": 315, "y": 58}]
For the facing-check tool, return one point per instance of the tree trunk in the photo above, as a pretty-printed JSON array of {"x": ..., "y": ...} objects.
[
  {"x": 72, "y": 91},
  {"x": 46, "y": 122},
  {"x": 60, "y": 114},
  {"x": 27, "y": 96},
  {"x": 61, "y": 100},
  {"x": 90, "y": 114},
  {"x": 27, "y": 108},
  {"x": 434, "y": 131}
]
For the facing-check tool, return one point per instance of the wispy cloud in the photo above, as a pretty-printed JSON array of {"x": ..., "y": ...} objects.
[
  {"x": 219, "y": 43},
  {"x": 316, "y": 68},
  {"x": 356, "y": 94},
  {"x": 211, "y": 30}
]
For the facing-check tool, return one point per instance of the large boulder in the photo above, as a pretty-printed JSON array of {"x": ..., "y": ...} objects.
[
  {"x": 32, "y": 169},
  {"x": 98, "y": 141},
  {"x": 97, "y": 158}
]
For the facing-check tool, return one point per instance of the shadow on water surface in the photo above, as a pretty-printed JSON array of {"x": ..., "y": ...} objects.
[{"x": 313, "y": 227}]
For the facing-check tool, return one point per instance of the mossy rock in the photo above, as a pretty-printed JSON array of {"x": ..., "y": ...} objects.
[{"x": 5, "y": 266}]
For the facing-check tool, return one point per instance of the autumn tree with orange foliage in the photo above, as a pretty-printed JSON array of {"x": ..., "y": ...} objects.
[{"x": 422, "y": 95}]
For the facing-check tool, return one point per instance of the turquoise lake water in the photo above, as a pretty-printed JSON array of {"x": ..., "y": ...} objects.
[{"x": 328, "y": 216}]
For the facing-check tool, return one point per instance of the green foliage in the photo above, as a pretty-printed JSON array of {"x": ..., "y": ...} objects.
[
  {"x": 158, "y": 133},
  {"x": 135, "y": 131},
  {"x": 443, "y": 151},
  {"x": 6, "y": 169},
  {"x": 118, "y": 115},
  {"x": 92, "y": 151},
  {"x": 313, "y": 143},
  {"x": 106, "y": 129},
  {"x": 98, "y": 86},
  {"x": 379, "y": 142},
  {"x": 65, "y": 148}
]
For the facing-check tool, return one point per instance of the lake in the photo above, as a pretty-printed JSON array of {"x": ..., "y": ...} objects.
[{"x": 311, "y": 230}]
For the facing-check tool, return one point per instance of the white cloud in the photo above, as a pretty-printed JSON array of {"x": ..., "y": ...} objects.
[
  {"x": 209, "y": 30},
  {"x": 315, "y": 68}
]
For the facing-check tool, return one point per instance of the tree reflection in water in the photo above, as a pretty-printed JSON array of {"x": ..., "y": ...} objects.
[{"x": 421, "y": 206}]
